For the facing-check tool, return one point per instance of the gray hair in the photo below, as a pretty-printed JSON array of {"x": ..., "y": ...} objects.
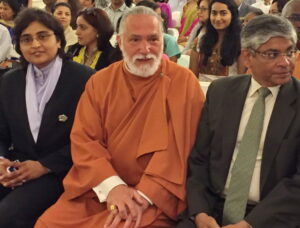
[
  {"x": 288, "y": 6},
  {"x": 262, "y": 28},
  {"x": 139, "y": 10}
]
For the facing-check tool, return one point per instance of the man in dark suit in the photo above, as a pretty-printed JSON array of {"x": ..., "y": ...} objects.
[{"x": 239, "y": 127}]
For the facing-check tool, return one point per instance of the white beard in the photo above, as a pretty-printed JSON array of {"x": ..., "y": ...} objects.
[{"x": 145, "y": 70}]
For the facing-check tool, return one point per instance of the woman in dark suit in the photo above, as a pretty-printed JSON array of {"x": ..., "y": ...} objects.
[{"x": 37, "y": 106}]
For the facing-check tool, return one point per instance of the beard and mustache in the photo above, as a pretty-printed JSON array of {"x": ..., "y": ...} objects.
[{"x": 144, "y": 70}]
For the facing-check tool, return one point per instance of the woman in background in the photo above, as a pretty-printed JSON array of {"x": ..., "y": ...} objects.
[
  {"x": 199, "y": 30},
  {"x": 62, "y": 12},
  {"x": 75, "y": 8},
  {"x": 8, "y": 11},
  {"x": 220, "y": 47},
  {"x": 94, "y": 31},
  {"x": 37, "y": 108}
]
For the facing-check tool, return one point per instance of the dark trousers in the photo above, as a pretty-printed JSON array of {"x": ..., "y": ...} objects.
[
  {"x": 21, "y": 207},
  {"x": 217, "y": 215}
]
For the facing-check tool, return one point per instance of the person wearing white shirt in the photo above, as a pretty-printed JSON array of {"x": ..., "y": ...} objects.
[{"x": 5, "y": 43}]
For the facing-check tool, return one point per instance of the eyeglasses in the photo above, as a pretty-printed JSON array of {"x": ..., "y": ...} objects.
[
  {"x": 272, "y": 55},
  {"x": 202, "y": 9},
  {"x": 293, "y": 18},
  {"x": 41, "y": 37}
]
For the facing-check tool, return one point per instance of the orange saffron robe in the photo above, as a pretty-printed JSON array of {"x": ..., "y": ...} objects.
[
  {"x": 296, "y": 72},
  {"x": 141, "y": 129}
]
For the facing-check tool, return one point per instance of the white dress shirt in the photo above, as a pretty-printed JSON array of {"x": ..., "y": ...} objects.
[{"x": 254, "y": 192}]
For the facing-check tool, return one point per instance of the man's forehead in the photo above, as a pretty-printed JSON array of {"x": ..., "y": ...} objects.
[
  {"x": 142, "y": 22},
  {"x": 272, "y": 43}
]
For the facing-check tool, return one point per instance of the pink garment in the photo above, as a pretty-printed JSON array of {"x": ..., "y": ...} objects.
[
  {"x": 164, "y": 56},
  {"x": 166, "y": 9}
]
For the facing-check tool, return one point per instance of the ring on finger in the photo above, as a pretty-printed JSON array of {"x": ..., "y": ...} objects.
[{"x": 113, "y": 207}]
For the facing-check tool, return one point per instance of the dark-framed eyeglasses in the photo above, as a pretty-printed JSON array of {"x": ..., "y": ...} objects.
[
  {"x": 273, "y": 55},
  {"x": 202, "y": 9},
  {"x": 41, "y": 37},
  {"x": 293, "y": 17}
]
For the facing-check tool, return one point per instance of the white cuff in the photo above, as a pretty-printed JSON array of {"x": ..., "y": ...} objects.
[
  {"x": 102, "y": 190},
  {"x": 145, "y": 197}
]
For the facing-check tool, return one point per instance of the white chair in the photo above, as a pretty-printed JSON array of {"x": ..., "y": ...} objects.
[
  {"x": 184, "y": 60},
  {"x": 204, "y": 86}
]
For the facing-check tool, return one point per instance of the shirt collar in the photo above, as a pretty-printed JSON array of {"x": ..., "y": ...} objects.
[
  {"x": 43, "y": 72},
  {"x": 121, "y": 9},
  {"x": 254, "y": 86}
]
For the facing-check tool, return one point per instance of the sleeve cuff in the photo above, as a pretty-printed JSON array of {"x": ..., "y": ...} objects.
[
  {"x": 145, "y": 197},
  {"x": 102, "y": 190}
]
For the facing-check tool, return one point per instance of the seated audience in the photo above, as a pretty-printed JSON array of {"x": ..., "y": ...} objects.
[
  {"x": 115, "y": 10},
  {"x": 249, "y": 16},
  {"x": 75, "y": 8},
  {"x": 244, "y": 167},
  {"x": 5, "y": 43},
  {"x": 134, "y": 116},
  {"x": 244, "y": 8},
  {"x": 8, "y": 11},
  {"x": 219, "y": 48},
  {"x": 277, "y": 6},
  {"x": 291, "y": 11},
  {"x": 62, "y": 12},
  {"x": 49, "y": 5},
  {"x": 189, "y": 18},
  {"x": 171, "y": 48},
  {"x": 94, "y": 31},
  {"x": 84, "y": 4},
  {"x": 37, "y": 107},
  {"x": 263, "y": 5},
  {"x": 165, "y": 10},
  {"x": 199, "y": 30}
]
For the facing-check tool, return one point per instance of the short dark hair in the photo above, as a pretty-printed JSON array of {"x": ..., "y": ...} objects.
[
  {"x": 14, "y": 5},
  {"x": 149, "y": 4},
  {"x": 29, "y": 15},
  {"x": 58, "y": 4},
  {"x": 101, "y": 22}
]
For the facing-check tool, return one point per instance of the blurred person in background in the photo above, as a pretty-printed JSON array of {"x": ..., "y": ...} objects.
[
  {"x": 62, "y": 11},
  {"x": 220, "y": 47},
  {"x": 75, "y": 8},
  {"x": 9, "y": 9},
  {"x": 94, "y": 31},
  {"x": 291, "y": 11},
  {"x": 192, "y": 41}
]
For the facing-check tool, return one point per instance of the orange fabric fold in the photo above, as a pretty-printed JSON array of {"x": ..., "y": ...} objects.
[{"x": 141, "y": 129}]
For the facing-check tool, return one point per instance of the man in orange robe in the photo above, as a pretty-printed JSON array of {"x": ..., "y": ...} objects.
[
  {"x": 134, "y": 128},
  {"x": 291, "y": 11}
]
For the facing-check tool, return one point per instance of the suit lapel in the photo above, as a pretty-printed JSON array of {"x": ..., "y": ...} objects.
[
  {"x": 20, "y": 106},
  {"x": 53, "y": 102},
  {"x": 233, "y": 107},
  {"x": 281, "y": 119}
]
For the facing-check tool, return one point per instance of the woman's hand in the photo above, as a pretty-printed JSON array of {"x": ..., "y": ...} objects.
[{"x": 25, "y": 171}]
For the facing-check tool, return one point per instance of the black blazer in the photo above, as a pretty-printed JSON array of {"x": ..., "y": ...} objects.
[
  {"x": 211, "y": 156},
  {"x": 52, "y": 148},
  {"x": 108, "y": 56}
]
